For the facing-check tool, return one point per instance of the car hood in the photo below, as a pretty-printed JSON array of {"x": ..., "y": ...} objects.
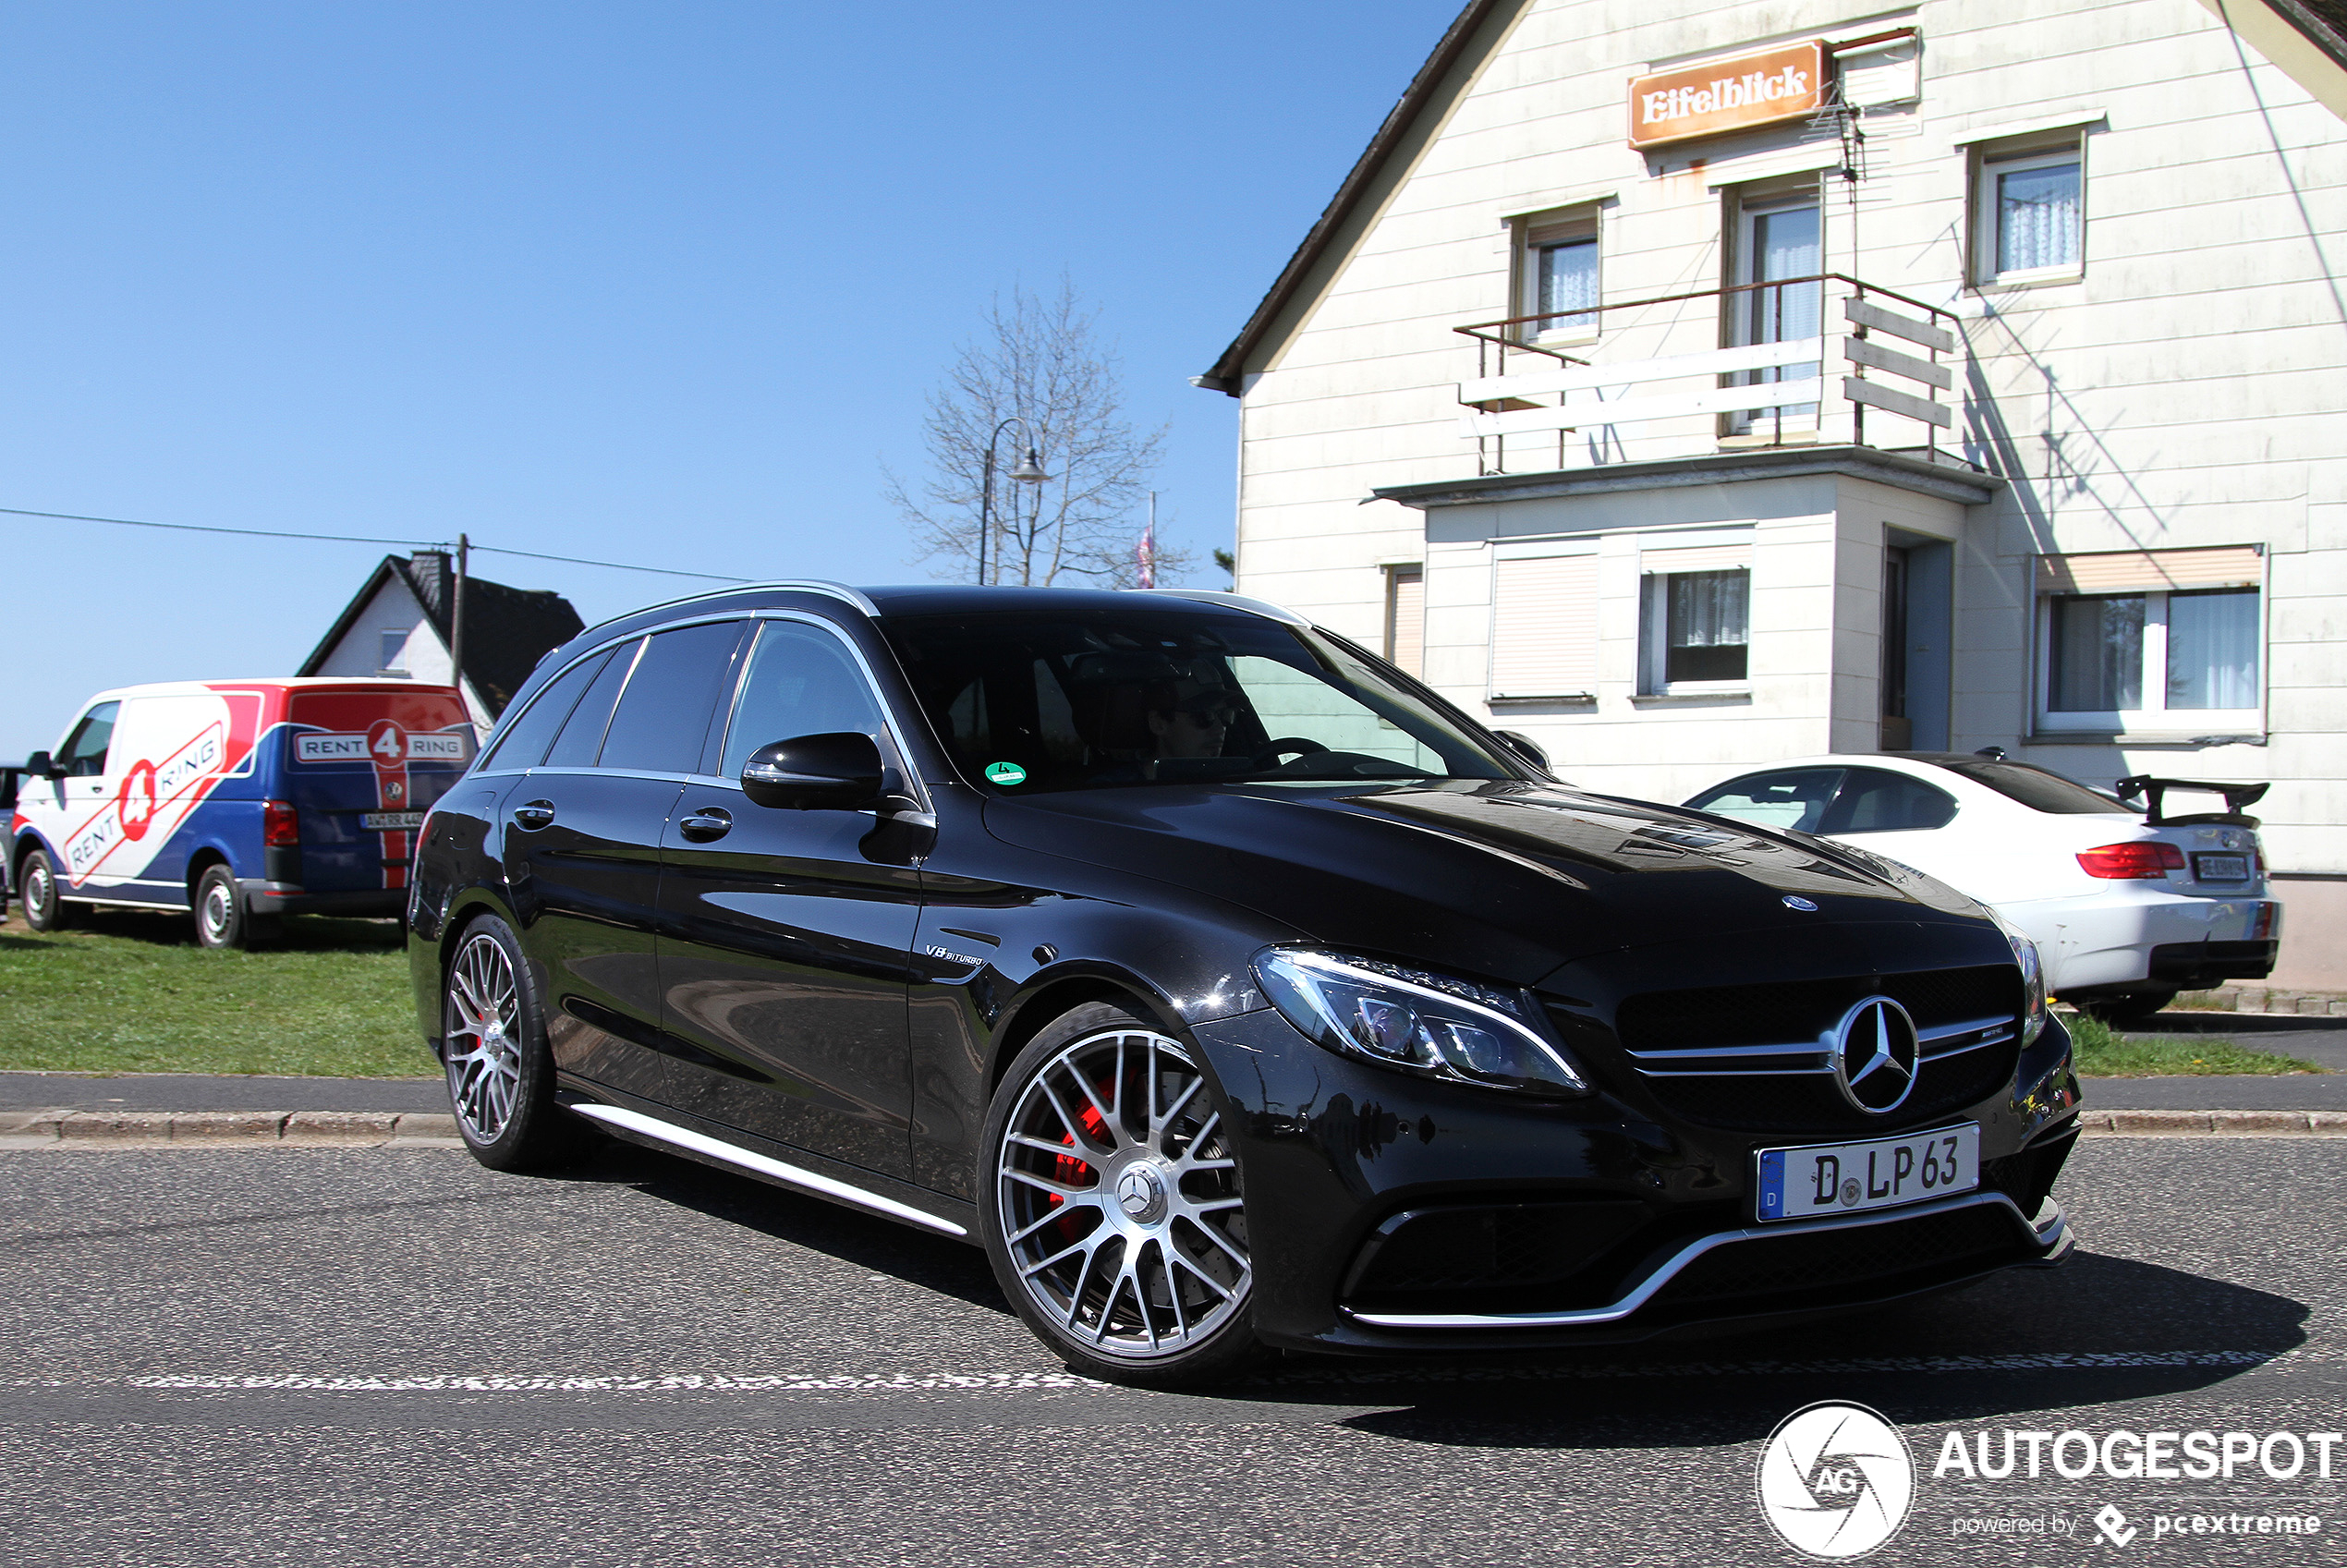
[{"x": 1505, "y": 878}]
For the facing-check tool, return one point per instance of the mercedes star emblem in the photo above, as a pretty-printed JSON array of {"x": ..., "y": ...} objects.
[{"x": 1874, "y": 1055}]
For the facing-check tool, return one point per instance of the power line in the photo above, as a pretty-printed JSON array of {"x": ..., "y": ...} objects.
[
  {"x": 581, "y": 561},
  {"x": 200, "y": 528},
  {"x": 362, "y": 538}
]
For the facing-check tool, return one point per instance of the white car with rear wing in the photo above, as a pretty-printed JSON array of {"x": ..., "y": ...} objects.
[{"x": 2128, "y": 903}]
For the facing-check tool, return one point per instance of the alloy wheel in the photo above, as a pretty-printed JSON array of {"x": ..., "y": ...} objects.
[
  {"x": 1120, "y": 1199},
  {"x": 484, "y": 1052}
]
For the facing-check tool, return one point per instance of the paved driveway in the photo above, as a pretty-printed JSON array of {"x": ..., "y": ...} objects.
[{"x": 378, "y": 1356}]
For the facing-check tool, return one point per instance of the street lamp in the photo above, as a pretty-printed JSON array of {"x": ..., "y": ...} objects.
[{"x": 1028, "y": 470}]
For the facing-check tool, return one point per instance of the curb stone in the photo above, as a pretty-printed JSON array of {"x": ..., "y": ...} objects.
[
  {"x": 2213, "y": 1124},
  {"x": 148, "y": 1130}
]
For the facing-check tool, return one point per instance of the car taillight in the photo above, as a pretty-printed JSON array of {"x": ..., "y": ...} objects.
[
  {"x": 2122, "y": 862},
  {"x": 280, "y": 827}
]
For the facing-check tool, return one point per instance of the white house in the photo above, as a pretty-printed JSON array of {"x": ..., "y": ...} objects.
[
  {"x": 1690, "y": 385},
  {"x": 399, "y": 624}
]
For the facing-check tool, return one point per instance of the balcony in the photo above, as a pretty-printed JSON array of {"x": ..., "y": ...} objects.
[{"x": 1822, "y": 361}]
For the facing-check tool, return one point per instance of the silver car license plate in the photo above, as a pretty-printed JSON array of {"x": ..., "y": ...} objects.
[{"x": 1842, "y": 1178}]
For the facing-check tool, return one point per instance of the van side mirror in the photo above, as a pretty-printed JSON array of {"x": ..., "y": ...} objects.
[
  {"x": 837, "y": 771},
  {"x": 42, "y": 766}
]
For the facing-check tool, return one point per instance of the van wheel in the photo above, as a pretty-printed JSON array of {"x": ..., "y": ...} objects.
[
  {"x": 1111, "y": 1208},
  {"x": 222, "y": 920},
  {"x": 44, "y": 905},
  {"x": 500, "y": 1074}
]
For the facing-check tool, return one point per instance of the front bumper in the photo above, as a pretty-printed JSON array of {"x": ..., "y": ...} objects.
[{"x": 1586, "y": 1221}]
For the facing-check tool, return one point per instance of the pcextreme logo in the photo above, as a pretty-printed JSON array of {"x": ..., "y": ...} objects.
[{"x": 1836, "y": 1480}]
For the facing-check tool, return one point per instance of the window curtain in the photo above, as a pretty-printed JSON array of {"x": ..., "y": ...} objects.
[
  {"x": 2212, "y": 649},
  {"x": 1711, "y": 609},
  {"x": 2038, "y": 218},
  {"x": 2097, "y": 654},
  {"x": 1568, "y": 286}
]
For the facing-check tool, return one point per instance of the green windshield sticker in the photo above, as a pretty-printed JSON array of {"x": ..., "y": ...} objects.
[{"x": 1005, "y": 773}]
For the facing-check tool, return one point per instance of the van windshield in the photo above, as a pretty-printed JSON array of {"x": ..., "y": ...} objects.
[{"x": 1093, "y": 699}]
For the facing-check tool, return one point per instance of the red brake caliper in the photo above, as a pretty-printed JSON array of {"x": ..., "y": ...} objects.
[{"x": 1070, "y": 1171}]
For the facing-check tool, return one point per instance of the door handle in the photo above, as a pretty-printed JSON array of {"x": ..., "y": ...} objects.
[
  {"x": 534, "y": 815},
  {"x": 704, "y": 826}
]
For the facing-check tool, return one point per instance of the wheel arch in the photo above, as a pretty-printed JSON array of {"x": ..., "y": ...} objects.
[
  {"x": 1054, "y": 996},
  {"x": 205, "y": 859}
]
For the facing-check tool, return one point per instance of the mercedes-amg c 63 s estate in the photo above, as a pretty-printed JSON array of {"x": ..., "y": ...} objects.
[{"x": 1231, "y": 988}]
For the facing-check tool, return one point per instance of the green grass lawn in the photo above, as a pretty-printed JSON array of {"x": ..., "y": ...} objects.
[
  {"x": 131, "y": 992},
  {"x": 2102, "y": 1054}
]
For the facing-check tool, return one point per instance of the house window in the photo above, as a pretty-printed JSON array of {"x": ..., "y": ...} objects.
[
  {"x": 1406, "y": 619},
  {"x": 1560, "y": 278},
  {"x": 2029, "y": 223},
  {"x": 1544, "y": 623},
  {"x": 2174, "y": 640},
  {"x": 394, "y": 651},
  {"x": 1695, "y": 618}
]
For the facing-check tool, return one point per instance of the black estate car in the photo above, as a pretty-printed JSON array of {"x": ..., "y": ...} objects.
[{"x": 1229, "y": 986}]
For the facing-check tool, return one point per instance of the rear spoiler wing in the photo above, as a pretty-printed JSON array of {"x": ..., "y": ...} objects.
[{"x": 2145, "y": 794}]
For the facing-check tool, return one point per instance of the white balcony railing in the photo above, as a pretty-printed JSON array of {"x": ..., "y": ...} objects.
[{"x": 1640, "y": 388}]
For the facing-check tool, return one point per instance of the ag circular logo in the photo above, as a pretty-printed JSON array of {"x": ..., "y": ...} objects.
[
  {"x": 1836, "y": 1480},
  {"x": 1874, "y": 1055}
]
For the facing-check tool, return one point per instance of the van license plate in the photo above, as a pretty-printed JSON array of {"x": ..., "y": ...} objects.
[
  {"x": 1845, "y": 1178},
  {"x": 2220, "y": 867},
  {"x": 391, "y": 821}
]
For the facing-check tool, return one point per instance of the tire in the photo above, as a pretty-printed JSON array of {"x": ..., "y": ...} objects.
[
  {"x": 2128, "y": 1007},
  {"x": 501, "y": 1075},
  {"x": 1127, "y": 1255},
  {"x": 43, "y": 896},
  {"x": 222, "y": 920}
]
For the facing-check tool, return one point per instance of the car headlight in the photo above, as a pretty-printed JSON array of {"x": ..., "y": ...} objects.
[
  {"x": 1417, "y": 1020},
  {"x": 2033, "y": 976}
]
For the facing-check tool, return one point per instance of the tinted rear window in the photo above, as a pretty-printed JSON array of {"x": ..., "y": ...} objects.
[
  {"x": 525, "y": 741},
  {"x": 2038, "y": 789},
  {"x": 582, "y": 733},
  {"x": 663, "y": 721}
]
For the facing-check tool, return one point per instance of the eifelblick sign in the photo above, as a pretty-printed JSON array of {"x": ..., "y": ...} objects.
[{"x": 1783, "y": 83}]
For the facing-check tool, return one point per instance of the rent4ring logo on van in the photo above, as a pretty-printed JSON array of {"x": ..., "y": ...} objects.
[
  {"x": 151, "y": 795},
  {"x": 384, "y": 744}
]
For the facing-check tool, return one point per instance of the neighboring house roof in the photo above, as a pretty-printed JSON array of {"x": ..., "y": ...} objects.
[
  {"x": 507, "y": 631},
  {"x": 1424, "y": 89}
]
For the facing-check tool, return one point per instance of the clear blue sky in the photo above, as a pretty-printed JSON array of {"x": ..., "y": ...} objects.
[{"x": 646, "y": 283}]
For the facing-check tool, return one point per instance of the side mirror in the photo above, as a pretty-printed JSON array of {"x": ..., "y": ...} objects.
[
  {"x": 1524, "y": 747},
  {"x": 42, "y": 766},
  {"x": 838, "y": 772}
]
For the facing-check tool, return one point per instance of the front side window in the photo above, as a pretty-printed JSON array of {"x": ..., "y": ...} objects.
[
  {"x": 1090, "y": 699},
  {"x": 800, "y": 681},
  {"x": 85, "y": 753},
  {"x": 2152, "y": 659},
  {"x": 2030, "y": 217},
  {"x": 1792, "y": 799},
  {"x": 1697, "y": 629}
]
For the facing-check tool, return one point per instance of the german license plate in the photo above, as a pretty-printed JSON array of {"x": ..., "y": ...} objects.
[
  {"x": 1846, "y": 1178},
  {"x": 2220, "y": 867},
  {"x": 391, "y": 821}
]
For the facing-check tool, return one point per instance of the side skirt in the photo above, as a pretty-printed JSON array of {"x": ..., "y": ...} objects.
[{"x": 803, "y": 1172}]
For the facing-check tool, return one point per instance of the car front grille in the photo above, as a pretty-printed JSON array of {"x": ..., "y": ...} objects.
[{"x": 1758, "y": 1057}]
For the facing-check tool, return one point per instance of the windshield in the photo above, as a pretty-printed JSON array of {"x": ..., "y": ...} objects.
[
  {"x": 2039, "y": 789},
  {"x": 1092, "y": 699}
]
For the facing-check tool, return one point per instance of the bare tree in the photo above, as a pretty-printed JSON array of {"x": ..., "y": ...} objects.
[{"x": 1037, "y": 363}]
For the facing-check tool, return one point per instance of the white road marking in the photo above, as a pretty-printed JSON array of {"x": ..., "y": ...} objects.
[{"x": 1004, "y": 1382}]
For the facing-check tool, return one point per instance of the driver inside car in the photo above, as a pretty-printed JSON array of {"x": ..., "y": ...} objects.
[{"x": 1189, "y": 719}]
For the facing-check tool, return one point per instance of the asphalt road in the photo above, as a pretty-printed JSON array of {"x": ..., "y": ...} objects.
[{"x": 364, "y": 1357}]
